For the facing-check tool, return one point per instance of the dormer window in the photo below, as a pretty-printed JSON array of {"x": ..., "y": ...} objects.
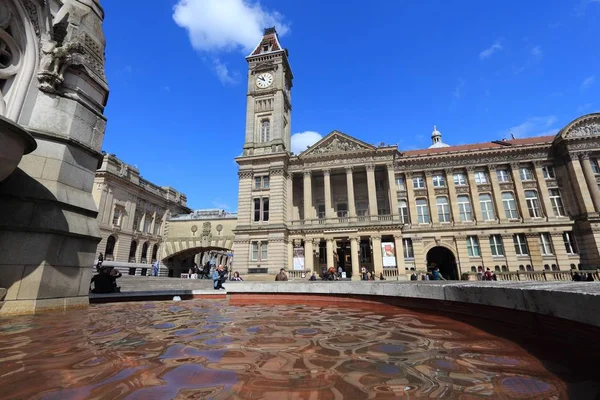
[{"x": 266, "y": 47}]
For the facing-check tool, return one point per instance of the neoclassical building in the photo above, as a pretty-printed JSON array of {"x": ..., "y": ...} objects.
[
  {"x": 132, "y": 214},
  {"x": 525, "y": 204}
]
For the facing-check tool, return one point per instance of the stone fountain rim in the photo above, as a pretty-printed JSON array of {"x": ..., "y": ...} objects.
[{"x": 30, "y": 143}]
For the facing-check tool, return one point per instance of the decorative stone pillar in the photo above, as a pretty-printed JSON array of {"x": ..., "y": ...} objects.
[
  {"x": 420, "y": 256},
  {"x": 372, "y": 191},
  {"x": 543, "y": 193},
  {"x": 290, "y": 252},
  {"x": 558, "y": 246},
  {"x": 497, "y": 193},
  {"x": 474, "y": 194},
  {"x": 399, "y": 247},
  {"x": 330, "y": 260},
  {"x": 519, "y": 192},
  {"x": 462, "y": 255},
  {"x": 377, "y": 255},
  {"x": 410, "y": 198},
  {"x": 327, "y": 190},
  {"x": 579, "y": 184},
  {"x": 512, "y": 263},
  {"x": 433, "y": 211},
  {"x": 308, "y": 255},
  {"x": 535, "y": 251},
  {"x": 290, "y": 197},
  {"x": 393, "y": 191},
  {"x": 308, "y": 206},
  {"x": 590, "y": 179},
  {"x": 452, "y": 197},
  {"x": 354, "y": 258},
  {"x": 350, "y": 190}
]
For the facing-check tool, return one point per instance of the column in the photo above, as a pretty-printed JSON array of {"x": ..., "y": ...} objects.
[
  {"x": 519, "y": 193},
  {"x": 509, "y": 251},
  {"x": 354, "y": 258},
  {"x": 462, "y": 255},
  {"x": 290, "y": 197},
  {"x": 420, "y": 256},
  {"x": 327, "y": 185},
  {"x": 330, "y": 262},
  {"x": 590, "y": 178},
  {"x": 535, "y": 251},
  {"x": 350, "y": 190},
  {"x": 486, "y": 252},
  {"x": 377, "y": 255},
  {"x": 399, "y": 247},
  {"x": 393, "y": 191},
  {"x": 497, "y": 194},
  {"x": 558, "y": 246},
  {"x": 433, "y": 212},
  {"x": 410, "y": 198},
  {"x": 474, "y": 194},
  {"x": 452, "y": 197},
  {"x": 290, "y": 252},
  {"x": 543, "y": 194},
  {"x": 308, "y": 255},
  {"x": 308, "y": 206},
  {"x": 372, "y": 190},
  {"x": 581, "y": 191}
]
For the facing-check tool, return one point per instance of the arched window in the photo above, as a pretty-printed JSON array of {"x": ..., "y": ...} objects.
[
  {"x": 521, "y": 268},
  {"x": 497, "y": 268},
  {"x": 145, "y": 253},
  {"x": 473, "y": 269},
  {"x": 504, "y": 269},
  {"x": 555, "y": 267},
  {"x": 546, "y": 267},
  {"x": 110, "y": 248},
  {"x": 132, "y": 251},
  {"x": 265, "y": 130},
  {"x": 155, "y": 252},
  {"x": 573, "y": 266},
  {"x": 529, "y": 267}
]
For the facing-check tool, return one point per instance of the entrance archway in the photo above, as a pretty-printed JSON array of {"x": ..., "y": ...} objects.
[{"x": 444, "y": 259}]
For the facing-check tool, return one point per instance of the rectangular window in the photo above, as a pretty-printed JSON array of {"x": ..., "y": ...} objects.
[
  {"x": 525, "y": 174},
  {"x": 548, "y": 172},
  {"x": 496, "y": 245},
  {"x": 382, "y": 206},
  {"x": 487, "y": 207},
  {"x": 439, "y": 181},
  {"x": 257, "y": 182},
  {"x": 510, "y": 205},
  {"x": 503, "y": 175},
  {"x": 342, "y": 210},
  {"x": 556, "y": 201},
  {"x": 157, "y": 226},
  {"x": 322, "y": 252},
  {"x": 464, "y": 208},
  {"x": 408, "y": 248},
  {"x": 264, "y": 252},
  {"x": 418, "y": 182},
  {"x": 533, "y": 204},
  {"x": 401, "y": 183},
  {"x": 254, "y": 251},
  {"x": 261, "y": 182},
  {"x": 569, "y": 241},
  {"x": 403, "y": 211},
  {"x": 361, "y": 209},
  {"x": 321, "y": 211},
  {"x": 460, "y": 179},
  {"x": 136, "y": 222},
  {"x": 594, "y": 163},
  {"x": 545, "y": 244},
  {"x": 520, "y": 244},
  {"x": 473, "y": 246},
  {"x": 443, "y": 209},
  {"x": 117, "y": 216},
  {"x": 265, "y": 213},
  {"x": 147, "y": 223},
  {"x": 261, "y": 209},
  {"x": 257, "y": 210},
  {"x": 266, "y": 182},
  {"x": 380, "y": 185},
  {"x": 365, "y": 252},
  {"x": 481, "y": 177},
  {"x": 422, "y": 211}
]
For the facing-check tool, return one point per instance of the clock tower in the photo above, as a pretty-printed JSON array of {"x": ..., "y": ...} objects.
[{"x": 269, "y": 106}]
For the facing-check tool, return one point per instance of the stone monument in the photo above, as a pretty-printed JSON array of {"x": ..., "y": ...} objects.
[{"x": 52, "y": 84}]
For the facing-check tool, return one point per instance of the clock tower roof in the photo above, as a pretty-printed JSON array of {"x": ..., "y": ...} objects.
[{"x": 268, "y": 44}]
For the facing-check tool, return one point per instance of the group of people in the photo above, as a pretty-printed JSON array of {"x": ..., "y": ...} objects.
[
  {"x": 219, "y": 276},
  {"x": 577, "y": 277},
  {"x": 434, "y": 275}
]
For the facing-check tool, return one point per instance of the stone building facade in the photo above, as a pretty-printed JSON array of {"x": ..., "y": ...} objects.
[
  {"x": 509, "y": 205},
  {"x": 133, "y": 215}
]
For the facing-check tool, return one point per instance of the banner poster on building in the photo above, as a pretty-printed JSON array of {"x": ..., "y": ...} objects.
[
  {"x": 389, "y": 254},
  {"x": 298, "y": 258}
]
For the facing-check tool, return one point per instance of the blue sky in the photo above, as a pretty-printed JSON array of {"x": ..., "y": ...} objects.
[{"x": 382, "y": 71}]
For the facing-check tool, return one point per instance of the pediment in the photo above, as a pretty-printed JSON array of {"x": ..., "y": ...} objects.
[
  {"x": 337, "y": 143},
  {"x": 586, "y": 126}
]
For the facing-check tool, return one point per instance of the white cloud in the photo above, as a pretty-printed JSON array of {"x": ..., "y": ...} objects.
[
  {"x": 536, "y": 51},
  {"x": 458, "y": 91},
  {"x": 490, "y": 50},
  {"x": 226, "y": 25},
  {"x": 587, "y": 82},
  {"x": 300, "y": 141},
  {"x": 220, "y": 26},
  {"x": 534, "y": 126}
]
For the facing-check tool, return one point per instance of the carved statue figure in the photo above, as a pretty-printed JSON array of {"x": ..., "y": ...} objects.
[
  {"x": 55, "y": 61},
  {"x": 337, "y": 145}
]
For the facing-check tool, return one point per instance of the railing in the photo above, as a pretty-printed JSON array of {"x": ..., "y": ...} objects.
[
  {"x": 295, "y": 274},
  {"x": 538, "y": 275},
  {"x": 390, "y": 273},
  {"x": 343, "y": 220}
]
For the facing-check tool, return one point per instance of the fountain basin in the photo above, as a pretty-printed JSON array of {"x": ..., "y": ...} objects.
[{"x": 14, "y": 143}]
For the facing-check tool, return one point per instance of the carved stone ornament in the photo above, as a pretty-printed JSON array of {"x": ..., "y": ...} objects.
[
  {"x": 338, "y": 145},
  {"x": 462, "y": 189},
  {"x": 206, "y": 228},
  {"x": 55, "y": 61},
  {"x": 484, "y": 188},
  {"x": 585, "y": 129},
  {"x": 529, "y": 185}
]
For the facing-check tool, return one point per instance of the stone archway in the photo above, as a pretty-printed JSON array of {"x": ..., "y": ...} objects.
[
  {"x": 444, "y": 259},
  {"x": 110, "y": 248}
]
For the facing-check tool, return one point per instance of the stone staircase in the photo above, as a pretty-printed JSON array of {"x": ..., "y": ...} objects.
[{"x": 159, "y": 284}]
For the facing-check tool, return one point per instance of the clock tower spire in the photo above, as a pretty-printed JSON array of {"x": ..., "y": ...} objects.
[{"x": 269, "y": 105}]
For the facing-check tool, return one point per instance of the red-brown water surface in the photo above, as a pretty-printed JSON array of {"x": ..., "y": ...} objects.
[{"x": 218, "y": 350}]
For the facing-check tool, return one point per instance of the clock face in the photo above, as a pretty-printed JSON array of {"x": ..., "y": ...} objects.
[{"x": 264, "y": 80}]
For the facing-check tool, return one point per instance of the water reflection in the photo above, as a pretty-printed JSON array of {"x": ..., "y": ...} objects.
[{"x": 219, "y": 351}]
